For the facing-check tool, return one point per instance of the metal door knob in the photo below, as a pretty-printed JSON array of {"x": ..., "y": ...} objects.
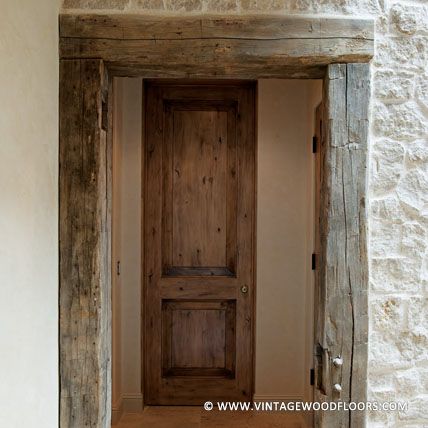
[{"x": 244, "y": 289}]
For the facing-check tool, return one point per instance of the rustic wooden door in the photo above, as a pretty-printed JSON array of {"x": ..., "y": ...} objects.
[{"x": 199, "y": 242}]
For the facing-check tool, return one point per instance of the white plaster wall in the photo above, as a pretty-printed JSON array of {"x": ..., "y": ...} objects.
[
  {"x": 284, "y": 247},
  {"x": 29, "y": 213}
]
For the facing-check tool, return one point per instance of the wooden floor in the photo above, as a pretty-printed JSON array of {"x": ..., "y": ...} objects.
[{"x": 195, "y": 417}]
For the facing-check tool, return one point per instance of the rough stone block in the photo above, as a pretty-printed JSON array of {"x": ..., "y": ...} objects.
[
  {"x": 388, "y": 208},
  {"x": 388, "y": 314},
  {"x": 222, "y": 5},
  {"x": 417, "y": 153},
  {"x": 183, "y": 5},
  {"x": 407, "y": 382},
  {"x": 385, "y": 238},
  {"x": 384, "y": 353},
  {"x": 386, "y": 166},
  {"x": 413, "y": 346},
  {"x": 414, "y": 242},
  {"x": 393, "y": 87},
  {"x": 401, "y": 53},
  {"x": 405, "y": 18},
  {"x": 147, "y": 4},
  {"x": 422, "y": 90},
  {"x": 412, "y": 189},
  {"x": 417, "y": 409},
  {"x": 418, "y": 315},
  {"x": 262, "y": 5},
  {"x": 396, "y": 275},
  {"x": 402, "y": 122},
  {"x": 95, "y": 4}
]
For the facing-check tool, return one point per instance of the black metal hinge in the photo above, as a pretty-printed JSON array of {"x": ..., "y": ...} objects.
[
  {"x": 314, "y": 264},
  {"x": 314, "y": 144},
  {"x": 312, "y": 376},
  {"x": 104, "y": 115}
]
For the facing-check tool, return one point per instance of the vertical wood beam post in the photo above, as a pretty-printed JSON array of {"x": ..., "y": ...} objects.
[
  {"x": 84, "y": 230},
  {"x": 342, "y": 320}
]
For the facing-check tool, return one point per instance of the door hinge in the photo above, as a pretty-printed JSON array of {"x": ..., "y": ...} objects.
[
  {"x": 312, "y": 376},
  {"x": 314, "y": 264},
  {"x": 322, "y": 369},
  {"x": 314, "y": 144},
  {"x": 104, "y": 115}
]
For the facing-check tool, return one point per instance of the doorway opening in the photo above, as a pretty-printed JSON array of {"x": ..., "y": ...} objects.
[
  {"x": 283, "y": 324},
  {"x": 96, "y": 48}
]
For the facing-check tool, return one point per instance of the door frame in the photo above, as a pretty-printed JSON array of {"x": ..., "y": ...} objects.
[{"x": 94, "y": 49}]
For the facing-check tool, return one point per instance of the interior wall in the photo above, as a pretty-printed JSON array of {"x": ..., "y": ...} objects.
[
  {"x": 284, "y": 237},
  {"x": 127, "y": 246},
  {"x": 116, "y": 253},
  {"x": 314, "y": 98},
  {"x": 285, "y": 228},
  {"x": 29, "y": 213}
]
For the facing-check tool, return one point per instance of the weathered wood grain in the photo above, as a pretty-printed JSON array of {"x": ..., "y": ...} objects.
[
  {"x": 193, "y": 183},
  {"x": 142, "y": 27},
  {"x": 218, "y": 71},
  {"x": 199, "y": 215},
  {"x": 342, "y": 310},
  {"x": 224, "y": 47},
  {"x": 238, "y": 58},
  {"x": 84, "y": 295}
]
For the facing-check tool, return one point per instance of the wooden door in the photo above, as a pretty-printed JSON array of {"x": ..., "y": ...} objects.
[{"x": 199, "y": 242}]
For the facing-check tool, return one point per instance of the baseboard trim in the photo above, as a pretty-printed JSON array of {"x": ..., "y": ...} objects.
[
  {"x": 116, "y": 412},
  {"x": 132, "y": 403}
]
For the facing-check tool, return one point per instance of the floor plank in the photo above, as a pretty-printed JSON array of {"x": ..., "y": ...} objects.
[{"x": 197, "y": 417}]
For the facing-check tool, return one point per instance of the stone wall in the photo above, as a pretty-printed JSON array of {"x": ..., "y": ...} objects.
[{"x": 398, "y": 182}]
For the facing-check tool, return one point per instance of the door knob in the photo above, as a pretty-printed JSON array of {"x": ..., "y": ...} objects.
[
  {"x": 337, "y": 387},
  {"x": 244, "y": 289}
]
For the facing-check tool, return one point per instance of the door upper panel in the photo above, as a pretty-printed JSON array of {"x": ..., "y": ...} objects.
[{"x": 200, "y": 193}]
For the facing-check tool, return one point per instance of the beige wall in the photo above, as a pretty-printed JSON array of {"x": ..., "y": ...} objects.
[
  {"x": 115, "y": 255},
  {"x": 127, "y": 243},
  {"x": 284, "y": 299},
  {"x": 284, "y": 237},
  {"x": 29, "y": 213}
]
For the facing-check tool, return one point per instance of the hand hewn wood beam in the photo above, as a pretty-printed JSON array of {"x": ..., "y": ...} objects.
[
  {"x": 241, "y": 47},
  {"x": 141, "y": 27},
  {"x": 84, "y": 230},
  {"x": 342, "y": 320}
]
